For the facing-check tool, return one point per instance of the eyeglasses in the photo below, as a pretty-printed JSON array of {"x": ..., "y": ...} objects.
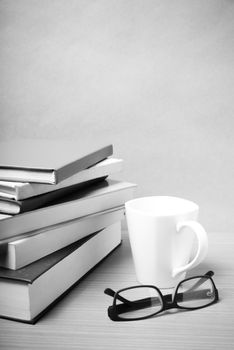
[{"x": 144, "y": 301}]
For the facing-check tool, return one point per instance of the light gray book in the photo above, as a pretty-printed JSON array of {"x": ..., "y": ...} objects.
[
  {"x": 34, "y": 246},
  {"x": 48, "y": 161},
  {"x": 105, "y": 195},
  {"x": 26, "y": 294},
  {"x": 23, "y": 190}
]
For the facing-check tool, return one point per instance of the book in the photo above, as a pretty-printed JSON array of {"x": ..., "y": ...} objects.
[
  {"x": 24, "y": 190},
  {"x": 13, "y": 207},
  {"x": 31, "y": 247},
  {"x": 26, "y": 294},
  {"x": 47, "y": 161},
  {"x": 4, "y": 216},
  {"x": 105, "y": 195}
]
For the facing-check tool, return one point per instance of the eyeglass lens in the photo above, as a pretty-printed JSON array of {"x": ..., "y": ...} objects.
[
  {"x": 195, "y": 292},
  {"x": 139, "y": 302}
]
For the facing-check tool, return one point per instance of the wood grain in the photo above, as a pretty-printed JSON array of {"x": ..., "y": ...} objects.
[{"x": 80, "y": 321}]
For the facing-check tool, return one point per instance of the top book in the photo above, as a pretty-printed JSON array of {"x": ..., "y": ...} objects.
[{"x": 47, "y": 161}]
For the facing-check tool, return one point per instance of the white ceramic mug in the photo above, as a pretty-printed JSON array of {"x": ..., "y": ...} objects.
[{"x": 161, "y": 232}]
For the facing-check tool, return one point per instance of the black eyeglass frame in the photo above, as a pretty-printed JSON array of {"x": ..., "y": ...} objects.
[{"x": 166, "y": 300}]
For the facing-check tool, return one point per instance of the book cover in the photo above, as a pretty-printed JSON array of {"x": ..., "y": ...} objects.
[
  {"x": 22, "y": 293},
  {"x": 48, "y": 161}
]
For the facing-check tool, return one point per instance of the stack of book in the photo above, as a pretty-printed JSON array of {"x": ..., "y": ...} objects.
[{"x": 60, "y": 215}]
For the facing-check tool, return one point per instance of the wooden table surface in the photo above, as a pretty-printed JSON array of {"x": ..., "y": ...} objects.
[{"x": 79, "y": 321}]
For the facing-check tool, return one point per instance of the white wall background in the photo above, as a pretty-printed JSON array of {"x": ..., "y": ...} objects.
[{"x": 154, "y": 77}]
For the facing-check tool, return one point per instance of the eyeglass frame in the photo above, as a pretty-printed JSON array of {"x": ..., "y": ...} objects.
[{"x": 166, "y": 303}]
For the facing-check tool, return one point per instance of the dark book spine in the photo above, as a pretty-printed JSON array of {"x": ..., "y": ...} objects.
[{"x": 50, "y": 198}]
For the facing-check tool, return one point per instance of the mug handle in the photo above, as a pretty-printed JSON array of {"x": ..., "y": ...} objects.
[{"x": 202, "y": 245}]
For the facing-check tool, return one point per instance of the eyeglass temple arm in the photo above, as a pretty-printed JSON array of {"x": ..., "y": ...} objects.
[
  {"x": 201, "y": 281},
  {"x": 112, "y": 293},
  {"x": 210, "y": 273}
]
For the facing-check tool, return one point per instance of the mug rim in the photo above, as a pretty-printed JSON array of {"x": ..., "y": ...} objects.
[{"x": 193, "y": 206}]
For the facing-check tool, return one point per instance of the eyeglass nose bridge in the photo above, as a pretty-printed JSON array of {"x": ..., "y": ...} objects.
[{"x": 169, "y": 304}]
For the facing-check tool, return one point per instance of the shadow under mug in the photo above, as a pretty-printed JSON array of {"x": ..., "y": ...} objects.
[{"x": 162, "y": 232}]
